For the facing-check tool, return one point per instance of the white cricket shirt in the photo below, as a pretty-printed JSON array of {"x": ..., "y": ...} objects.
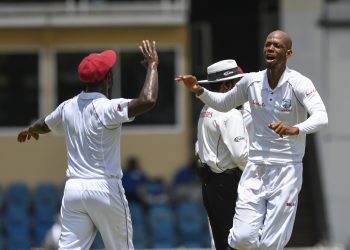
[
  {"x": 223, "y": 141},
  {"x": 291, "y": 100},
  {"x": 91, "y": 124},
  {"x": 247, "y": 119}
]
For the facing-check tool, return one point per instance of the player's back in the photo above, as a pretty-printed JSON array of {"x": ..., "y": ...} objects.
[{"x": 92, "y": 143}]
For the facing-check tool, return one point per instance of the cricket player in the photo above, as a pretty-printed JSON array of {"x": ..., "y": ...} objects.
[
  {"x": 94, "y": 198},
  {"x": 280, "y": 99}
]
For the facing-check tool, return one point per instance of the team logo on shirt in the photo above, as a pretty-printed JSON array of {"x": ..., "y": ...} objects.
[
  {"x": 286, "y": 105},
  {"x": 119, "y": 108}
]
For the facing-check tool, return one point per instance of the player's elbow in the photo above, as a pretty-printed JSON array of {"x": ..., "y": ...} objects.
[
  {"x": 147, "y": 103},
  {"x": 322, "y": 118},
  {"x": 325, "y": 119},
  {"x": 241, "y": 160}
]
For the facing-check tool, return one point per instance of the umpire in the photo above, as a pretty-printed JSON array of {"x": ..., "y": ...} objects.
[{"x": 223, "y": 146}]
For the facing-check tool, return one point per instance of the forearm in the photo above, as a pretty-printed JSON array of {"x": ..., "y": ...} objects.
[
  {"x": 148, "y": 94},
  {"x": 39, "y": 126},
  {"x": 314, "y": 123},
  {"x": 215, "y": 100}
]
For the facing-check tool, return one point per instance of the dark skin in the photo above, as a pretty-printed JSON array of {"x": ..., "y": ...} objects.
[
  {"x": 143, "y": 103},
  {"x": 277, "y": 50}
]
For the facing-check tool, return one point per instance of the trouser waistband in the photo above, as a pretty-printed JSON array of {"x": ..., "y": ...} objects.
[{"x": 230, "y": 171}]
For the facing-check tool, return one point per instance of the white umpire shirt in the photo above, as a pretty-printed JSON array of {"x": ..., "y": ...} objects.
[
  {"x": 294, "y": 97},
  {"x": 223, "y": 141},
  {"x": 91, "y": 124}
]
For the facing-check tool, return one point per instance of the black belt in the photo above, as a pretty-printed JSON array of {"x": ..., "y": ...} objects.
[{"x": 231, "y": 171}]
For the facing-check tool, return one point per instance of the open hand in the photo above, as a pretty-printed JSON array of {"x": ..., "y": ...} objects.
[
  {"x": 190, "y": 83},
  {"x": 26, "y": 134},
  {"x": 150, "y": 55}
]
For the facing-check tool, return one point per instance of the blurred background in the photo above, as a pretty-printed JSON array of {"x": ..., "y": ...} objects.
[{"x": 41, "y": 45}]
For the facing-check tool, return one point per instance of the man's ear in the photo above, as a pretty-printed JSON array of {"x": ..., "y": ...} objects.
[{"x": 289, "y": 53}]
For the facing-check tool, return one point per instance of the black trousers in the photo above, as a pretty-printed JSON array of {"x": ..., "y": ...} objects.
[{"x": 219, "y": 193}]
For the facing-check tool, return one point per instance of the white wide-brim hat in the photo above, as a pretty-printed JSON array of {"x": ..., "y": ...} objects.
[{"x": 222, "y": 71}]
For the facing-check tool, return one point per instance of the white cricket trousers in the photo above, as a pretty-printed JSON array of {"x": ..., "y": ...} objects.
[
  {"x": 89, "y": 205},
  {"x": 266, "y": 206}
]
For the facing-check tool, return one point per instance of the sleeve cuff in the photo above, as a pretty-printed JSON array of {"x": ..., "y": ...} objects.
[{"x": 301, "y": 129}]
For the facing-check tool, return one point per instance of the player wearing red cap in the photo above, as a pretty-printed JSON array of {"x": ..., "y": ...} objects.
[{"x": 94, "y": 197}]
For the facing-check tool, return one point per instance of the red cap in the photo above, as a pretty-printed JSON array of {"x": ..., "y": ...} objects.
[{"x": 94, "y": 67}]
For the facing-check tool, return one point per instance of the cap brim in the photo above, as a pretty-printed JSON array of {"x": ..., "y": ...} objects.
[{"x": 222, "y": 79}]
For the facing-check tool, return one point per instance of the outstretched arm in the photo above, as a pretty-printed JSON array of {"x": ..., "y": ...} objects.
[
  {"x": 149, "y": 92},
  {"x": 190, "y": 83},
  {"x": 38, "y": 127}
]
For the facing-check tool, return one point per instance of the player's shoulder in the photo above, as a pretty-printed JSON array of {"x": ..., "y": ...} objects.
[
  {"x": 297, "y": 79},
  {"x": 64, "y": 103},
  {"x": 253, "y": 77}
]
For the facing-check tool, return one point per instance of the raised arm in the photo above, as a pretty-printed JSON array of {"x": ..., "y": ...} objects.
[
  {"x": 190, "y": 83},
  {"x": 38, "y": 127},
  {"x": 149, "y": 92}
]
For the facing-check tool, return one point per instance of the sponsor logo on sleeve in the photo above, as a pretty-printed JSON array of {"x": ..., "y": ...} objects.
[
  {"x": 291, "y": 204},
  {"x": 310, "y": 92},
  {"x": 257, "y": 103},
  {"x": 119, "y": 108},
  {"x": 239, "y": 138},
  {"x": 206, "y": 114}
]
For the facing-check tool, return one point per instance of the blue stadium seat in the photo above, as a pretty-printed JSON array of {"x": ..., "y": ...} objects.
[
  {"x": 161, "y": 224},
  {"x": 18, "y": 242},
  {"x": 16, "y": 221},
  {"x": 2, "y": 199},
  {"x": 1, "y": 240},
  {"x": 46, "y": 194},
  {"x": 138, "y": 218},
  {"x": 46, "y": 202},
  {"x": 39, "y": 232},
  {"x": 190, "y": 224},
  {"x": 44, "y": 215},
  {"x": 18, "y": 195}
]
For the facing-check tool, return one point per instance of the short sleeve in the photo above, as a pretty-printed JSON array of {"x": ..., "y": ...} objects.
[
  {"x": 54, "y": 120},
  {"x": 113, "y": 112}
]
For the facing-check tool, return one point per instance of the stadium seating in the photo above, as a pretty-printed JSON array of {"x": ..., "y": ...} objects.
[
  {"x": 138, "y": 218},
  {"x": 18, "y": 196},
  {"x": 190, "y": 224},
  {"x": 161, "y": 225},
  {"x": 45, "y": 206},
  {"x": 19, "y": 242},
  {"x": 16, "y": 216},
  {"x": 26, "y": 217}
]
